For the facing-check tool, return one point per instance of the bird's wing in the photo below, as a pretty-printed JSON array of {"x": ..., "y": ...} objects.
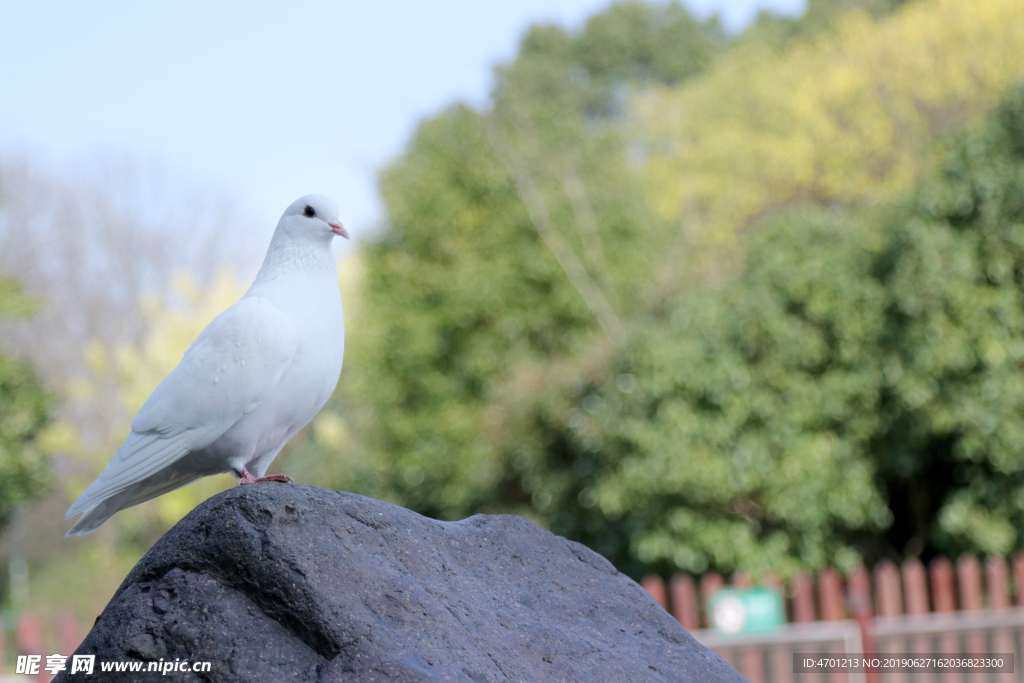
[{"x": 232, "y": 366}]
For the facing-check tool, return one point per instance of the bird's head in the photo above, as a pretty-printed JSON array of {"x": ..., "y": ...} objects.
[{"x": 313, "y": 215}]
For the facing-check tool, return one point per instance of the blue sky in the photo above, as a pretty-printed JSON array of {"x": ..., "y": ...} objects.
[{"x": 264, "y": 101}]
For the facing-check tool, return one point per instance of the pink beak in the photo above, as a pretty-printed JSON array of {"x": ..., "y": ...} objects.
[{"x": 338, "y": 228}]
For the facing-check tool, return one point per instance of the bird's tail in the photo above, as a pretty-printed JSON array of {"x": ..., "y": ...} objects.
[{"x": 144, "y": 490}]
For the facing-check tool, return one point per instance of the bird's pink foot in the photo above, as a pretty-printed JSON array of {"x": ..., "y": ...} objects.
[{"x": 246, "y": 478}]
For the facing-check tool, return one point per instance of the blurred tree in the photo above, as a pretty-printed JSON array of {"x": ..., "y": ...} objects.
[
  {"x": 951, "y": 459},
  {"x": 513, "y": 238},
  {"x": 733, "y": 432},
  {"x": 846, "y": 118},
  {"x": 24, "y": 407},
  {"x": 857, "y": 392},
  {"x": 138, "y": 225},
  {"x": 779, "y": 31},
  {"x": 628, "y": 45},
  {"x": 515, "y": 350}
]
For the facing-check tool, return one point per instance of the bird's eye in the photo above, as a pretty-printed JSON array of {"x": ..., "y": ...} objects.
[{"x": 308, "y": 212}]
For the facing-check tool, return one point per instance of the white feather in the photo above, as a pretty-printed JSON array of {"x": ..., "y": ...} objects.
[
  {"x": 257, "y": 374},
  {"x": 203, "y": 396}
]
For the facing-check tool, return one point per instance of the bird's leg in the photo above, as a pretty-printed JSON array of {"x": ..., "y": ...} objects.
[{"x": 246, "y": 478}]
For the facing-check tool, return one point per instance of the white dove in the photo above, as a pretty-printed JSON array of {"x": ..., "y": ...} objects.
[{"x": 252, "y": 379}]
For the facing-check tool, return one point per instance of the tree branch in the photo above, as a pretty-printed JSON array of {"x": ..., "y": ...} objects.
[{"x": 560, "y": 248}]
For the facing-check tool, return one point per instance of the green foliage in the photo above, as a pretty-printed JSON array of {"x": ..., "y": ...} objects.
[
  {"x": 428, "y": 356},
  {"x": 510, "y": 234},
  {"x": 23, "y": 413},
  {"x": 762, "y": 392},
  {"x": 952, "y": 459},
  {"x": 731, "y": 434},
  {"x": 857, "y": 392},
  {"x": 846, "y": 118},
  {"x": 630, "y": 43},
  {"x": 13, "y": 303},
  {"x": 779, "y": 31},
  {"x": 538, "y": 332}
]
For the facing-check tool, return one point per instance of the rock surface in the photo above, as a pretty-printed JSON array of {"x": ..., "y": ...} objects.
[{"x": 278, "y": 582}]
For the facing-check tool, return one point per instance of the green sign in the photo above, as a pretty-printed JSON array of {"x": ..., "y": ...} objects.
[{"x": 736, "y": 611}]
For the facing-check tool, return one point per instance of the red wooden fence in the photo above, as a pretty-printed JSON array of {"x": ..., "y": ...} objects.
[
  {"x": 879, "y": 601},
  {"x": 34, "y": 637},
  {"x": 886, "y": 591}
]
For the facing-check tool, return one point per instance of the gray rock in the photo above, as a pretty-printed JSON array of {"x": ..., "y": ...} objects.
[{"x": 278, "y": 582}]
